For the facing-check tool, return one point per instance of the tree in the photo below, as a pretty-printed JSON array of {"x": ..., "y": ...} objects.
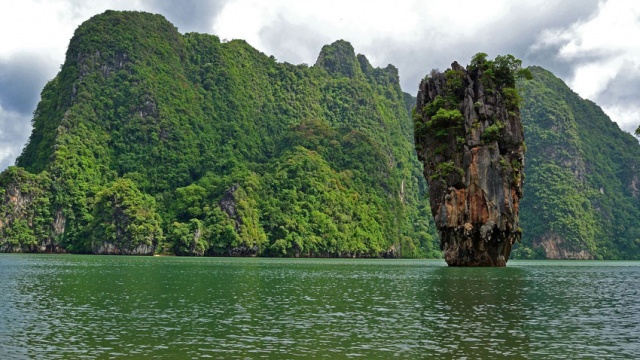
[{"x": 125, "y": 218}]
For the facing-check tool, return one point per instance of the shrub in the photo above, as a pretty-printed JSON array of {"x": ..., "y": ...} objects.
[{"x": 492, "y": 132}]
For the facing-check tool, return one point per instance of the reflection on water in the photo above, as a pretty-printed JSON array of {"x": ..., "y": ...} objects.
[
  {"x": 184, "y": 308},
  {"x": 476, "y": 312}
]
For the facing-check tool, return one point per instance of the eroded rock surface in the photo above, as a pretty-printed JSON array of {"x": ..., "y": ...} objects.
[{"x": 470, "y": 139}]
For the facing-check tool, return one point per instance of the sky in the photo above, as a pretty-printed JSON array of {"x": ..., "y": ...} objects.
[{"x": 593, "y": 45}]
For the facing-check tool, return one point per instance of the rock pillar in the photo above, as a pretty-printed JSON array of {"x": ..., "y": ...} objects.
[{"x": 470, "y": 139}]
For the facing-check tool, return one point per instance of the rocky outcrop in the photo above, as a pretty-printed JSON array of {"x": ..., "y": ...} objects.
[
  {"x": 557, "y": 248},
  {"x": 109, "y": 248},
  {"x": 339, "y": 59},
  {"x": 229, "y": 206},
  {"x": 470, "y": 139}
]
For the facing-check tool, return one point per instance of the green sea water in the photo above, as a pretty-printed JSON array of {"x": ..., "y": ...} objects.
[{"x": 88, "y": 307}]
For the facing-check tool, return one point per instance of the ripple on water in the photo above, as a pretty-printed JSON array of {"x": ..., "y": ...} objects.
[{"x": 105, "y": 307}]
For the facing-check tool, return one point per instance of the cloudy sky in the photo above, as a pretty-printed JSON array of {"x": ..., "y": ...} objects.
[{"x": 594, "y": 46}]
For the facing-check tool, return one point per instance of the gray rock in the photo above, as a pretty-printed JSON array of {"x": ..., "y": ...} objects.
[{"x": 474, "y": 166}]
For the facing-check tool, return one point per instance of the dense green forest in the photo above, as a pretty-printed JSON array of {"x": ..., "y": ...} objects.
[
  {"x": 581, "y": 197},
  {"x": 151, "y": 141}
]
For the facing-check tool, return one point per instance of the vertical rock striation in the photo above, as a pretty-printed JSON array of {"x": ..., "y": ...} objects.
[{"x": 470, "y": 139}]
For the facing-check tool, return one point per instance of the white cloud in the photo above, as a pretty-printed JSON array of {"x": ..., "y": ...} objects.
[
  {"x": 416, "y": 36},
  {"x": 589, "y": 49},
  {"x": 14, "y": 132},
  {"x": 19, "y": 18},
  {"x": 360, "y": 22},
  {"x": 612, "y": 29},
  {"x": 604, "y": 51},
  {"x": 628, "y": 117}
]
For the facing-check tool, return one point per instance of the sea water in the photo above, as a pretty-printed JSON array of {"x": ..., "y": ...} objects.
[{"x": 76, "y": 307}]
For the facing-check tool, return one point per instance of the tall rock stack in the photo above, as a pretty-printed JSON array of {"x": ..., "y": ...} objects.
[{"x": 470, "y": 139}]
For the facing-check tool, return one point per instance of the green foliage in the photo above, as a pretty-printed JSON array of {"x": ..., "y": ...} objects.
[
  {"x": 445, "y": 169},
  {"x": 526, "y": 252},
  {"x": 525, "y": 74},
  {"x": 339, "y": 59},
  {"x": 577, "y": 189},
  {"x": 479, "y": 61},
  {"x": 313, "y": 210},
  {"x": 563, "y": 207},
  {"x": 25, "y": 212},
  {"x": 433, "y": 107},
  {"x": 446, "y": 118},
  {"x": 512, "y": 98},
  {"x": 441, "y": 123},
  {"x": 125, "y": 217},
  {"x": 455, "y": 81},
  {"x": 503, "y": 71},
  {"x": 188, "y": 238},
  {"x": 505, "y": 68},
  {"x": 19, "y": 234},
  {"x": 492, "y": 132},
  {"x": 225, "y": 151}
]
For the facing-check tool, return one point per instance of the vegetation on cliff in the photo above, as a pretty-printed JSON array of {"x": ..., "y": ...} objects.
[
  {"x": 470, "y": 139},
  {"x": 217, "y": 148},
  {"x": 582, "y": 189},
  {"x": 152, "y": 141}
]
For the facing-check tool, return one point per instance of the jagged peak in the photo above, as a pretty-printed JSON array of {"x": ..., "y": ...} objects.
[
  {"x": 365, "y": 65},
  {"x": 122, "y": 31},
  {"x": 339, "y": 58}
]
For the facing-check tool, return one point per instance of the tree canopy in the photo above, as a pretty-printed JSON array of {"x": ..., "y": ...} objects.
[{"x": 193, "y": 146}]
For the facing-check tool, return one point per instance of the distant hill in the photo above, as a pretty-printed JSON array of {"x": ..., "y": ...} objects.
[
  {"x": 582, "y": 189},
  {"x": 152, "y": 141}
]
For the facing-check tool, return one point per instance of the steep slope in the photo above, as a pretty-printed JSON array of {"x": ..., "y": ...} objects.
[
  {"x": 581, "y": 191},
  {"x": 152, "y": 141}
]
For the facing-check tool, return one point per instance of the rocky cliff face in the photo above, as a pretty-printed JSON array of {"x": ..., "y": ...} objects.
[
  {"x": 555, "y": 247},
  {"x": 470, "y": 139}
]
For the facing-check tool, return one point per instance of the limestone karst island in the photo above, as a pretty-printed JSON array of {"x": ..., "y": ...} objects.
[
  {"x": 470, "y": 139},
  {"x": 149, "y": 141}
]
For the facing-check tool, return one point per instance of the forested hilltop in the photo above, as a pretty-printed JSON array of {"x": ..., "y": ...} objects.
[{"x": 149, "y": 141}]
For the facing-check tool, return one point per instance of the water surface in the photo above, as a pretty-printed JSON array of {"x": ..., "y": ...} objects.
[{"x": 191, "y": 308}]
